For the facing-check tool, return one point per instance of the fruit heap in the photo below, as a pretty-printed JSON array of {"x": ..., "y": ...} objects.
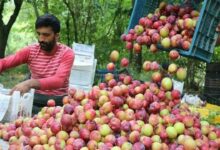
[
  {"x": 171, "y": 26},
  {"x": 118, "y": 115}
]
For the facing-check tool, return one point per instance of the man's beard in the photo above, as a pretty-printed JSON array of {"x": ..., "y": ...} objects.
[{"x": 47, "y": 46}]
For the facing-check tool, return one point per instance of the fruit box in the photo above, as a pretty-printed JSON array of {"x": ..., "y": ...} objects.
[
  {"x": 205, "y": 35},
  {"x": 15, "y": 105}
]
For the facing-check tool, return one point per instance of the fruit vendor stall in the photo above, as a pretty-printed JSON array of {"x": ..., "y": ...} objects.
[{"x": 124, "y": 113}]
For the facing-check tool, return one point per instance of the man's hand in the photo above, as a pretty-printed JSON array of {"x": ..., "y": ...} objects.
[{"x": 25, "y": 86}]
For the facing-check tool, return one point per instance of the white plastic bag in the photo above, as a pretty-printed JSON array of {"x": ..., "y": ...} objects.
[
  {"x": 177, "y": 85},
  {"x": 19, "y": 105},
  {"x": 192, "y": 99}
]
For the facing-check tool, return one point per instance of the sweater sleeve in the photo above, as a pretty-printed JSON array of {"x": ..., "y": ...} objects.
[
  {"x": 62, "y": 73},
  {"x": 14, "y": 60}
]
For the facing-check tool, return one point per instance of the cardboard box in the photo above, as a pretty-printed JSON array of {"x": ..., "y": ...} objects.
[{"x": 83, "y": 75}]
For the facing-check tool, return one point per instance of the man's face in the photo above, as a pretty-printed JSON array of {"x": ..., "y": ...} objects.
[{"x": 47, "y": 38}]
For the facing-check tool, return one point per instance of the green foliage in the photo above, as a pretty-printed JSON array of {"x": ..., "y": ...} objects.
[
  {"x": 216, "y": 55},
  {"x": 11, "y": 77}
]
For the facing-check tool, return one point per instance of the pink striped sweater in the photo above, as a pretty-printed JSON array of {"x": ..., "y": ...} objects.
[{"x": 52, "y": 71}]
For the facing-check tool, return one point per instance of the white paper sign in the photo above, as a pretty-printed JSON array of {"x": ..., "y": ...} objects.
[{"x": 84, "y": 49}]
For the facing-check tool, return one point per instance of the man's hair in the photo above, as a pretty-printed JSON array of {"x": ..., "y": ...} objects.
[{"x": 48, "y": 20}]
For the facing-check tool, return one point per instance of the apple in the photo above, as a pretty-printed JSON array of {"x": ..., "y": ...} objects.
[
  {"x": 139, "y": 40},
  {"x": 79, "y": 95},
  {"x": 67, "y": 120},
  {"x": 172, "y": 68},
  {"x": 188, "y": 23},
  {"x": 194, "y": 13},
  {"x": 175, "y": 94},
  {"x": 134, "y": 137},
  {"x": 26, "y": 130},
  {"x": 153, "y": 48},
  {"x": 66, "y": 100},
  {"x": 171, "y": 132},
  {"x": 181, "y": 74},
  {"x": 146, "y": 40},
  {"x": 68, "y": 109},
  {"x": 78, "y": 144},
  {"x": 109, "y": 76},
  {"x": 63, "y": 135},
  {"x": 120, "y": 140},
  {"x": 110, "y": 66},
  {"x": 127, "y": 80},
  {"x": 154, "y": 66},
  {"x": 138, "y": 146},
  {"x": 155, "y": 38},
  {"x": 185, "y": 45},
  {"x": 115, "y": 124},
  {"x": 166, "y": 42},
  {"x": 138, "y": 29},
  {"x": 124, "y": 62},
  {"x": 51, "y": 103},
  {"x": 105, "y": 129},
  {"x": 180, "y": 127},
  {"x": 129, "y": 45},
  {"x": 147, "y": 66},
  {"x": 189, "y": 144},
  {"x": 59, "y": 144},
  {"x": 90, "y": 114},
  {"x": 147, "y": 130},
  {"x": 156, "y": 77},
  {"x": 137, "y": 48},
  {"x": 212, "y": 135},
  {"x": 188, "y": 121},
  {"x": 84, "y": 134},
  {"x": 129, "y": 37},
  {"x": 164, "y": 32},
  {"x": 153, "y": 119},
  {"x": 34, "y": 140},
  {"x": 114, "y": 56},
  {"x": 156, "y": 146},
  {"x": 164, "y": 112},
  {"x": 112, "y": 83},
  {"x": 147, "y": 141},
  {"x": 167, "y": 83}
]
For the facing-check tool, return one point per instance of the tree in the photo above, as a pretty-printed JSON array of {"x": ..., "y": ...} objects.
[{"x": 5, "y": 28}]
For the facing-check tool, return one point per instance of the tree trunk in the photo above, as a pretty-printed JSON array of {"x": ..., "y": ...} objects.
[
  {"x": 68, "y": 29},
  {"x": 88, "y": 19},
  {"x": 117, "y": 13},
  {"x": 72, "y": 12},
  {"x": 3, "y": 42},
  {"x": 35, "y": 8},
  {"x": 5, "y": 29},
  {"x": 46, "y": 8}
]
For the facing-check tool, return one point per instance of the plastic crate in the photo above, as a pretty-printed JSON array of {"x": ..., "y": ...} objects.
[
  {"x": 100, "y": 74},
  {"x": 212, "y": 83},
  {"x": 205, "y": 36}
]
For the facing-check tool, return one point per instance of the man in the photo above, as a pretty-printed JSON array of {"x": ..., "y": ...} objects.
[{"x": 49, "y": 62}]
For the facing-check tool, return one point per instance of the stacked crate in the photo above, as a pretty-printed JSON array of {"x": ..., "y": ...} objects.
[{"x": 84, "y": 66}]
